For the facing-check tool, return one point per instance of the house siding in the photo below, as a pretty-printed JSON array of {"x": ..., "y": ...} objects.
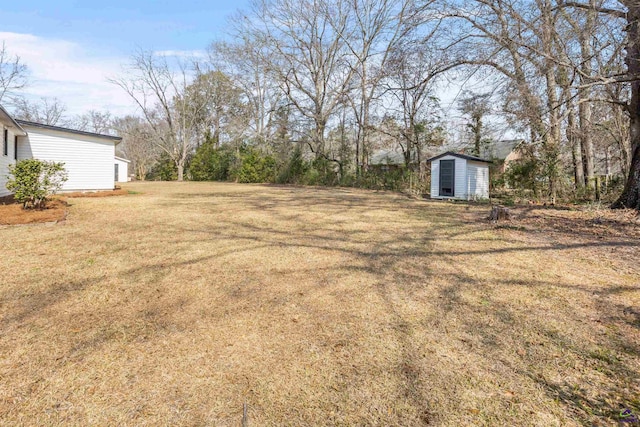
[
  {"x": 123, "y": 170},
  {"x": 7, "y": 160},
  {"x": 460, "y": 185},
  {"x": 477, "y": 180},
  {"x": 89, "y": 161}
]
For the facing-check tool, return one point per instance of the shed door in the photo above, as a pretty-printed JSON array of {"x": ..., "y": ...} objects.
[
  {"x": 447, "y": 177},
  {"x": 116, "y": 172}
]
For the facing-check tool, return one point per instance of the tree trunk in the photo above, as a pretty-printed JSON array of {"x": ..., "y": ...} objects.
[
  {"x": 630, "y": 197},
  {"x": 142, "y": 172},
  {"x": 319, "y": 138},
  {"x": 552, "y": 137},
  {"x": 499, "y": 213},
  {"x": 584, "y": 109},
  {"x": 477, "y": 137},
  {"x": 180, "y": 172},
  {"x": 576, "y": 154},
  {"x": 623, "y": 143}
]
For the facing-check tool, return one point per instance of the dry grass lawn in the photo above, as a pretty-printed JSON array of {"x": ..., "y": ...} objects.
[{"x": 316, "y": 307}]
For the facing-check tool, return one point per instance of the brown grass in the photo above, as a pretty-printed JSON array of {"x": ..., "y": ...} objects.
[
  {"x": 13, "y": 214},
  {"x": 315, "y": 307}
]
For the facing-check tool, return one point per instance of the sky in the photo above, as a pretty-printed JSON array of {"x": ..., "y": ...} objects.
[{"x": 73, "y": 47}]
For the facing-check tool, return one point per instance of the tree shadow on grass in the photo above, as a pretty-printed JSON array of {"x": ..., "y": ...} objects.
[{"x": 404, "y": 263}]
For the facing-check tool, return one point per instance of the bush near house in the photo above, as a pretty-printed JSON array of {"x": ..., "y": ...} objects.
[{"x": 32, "y": 181}]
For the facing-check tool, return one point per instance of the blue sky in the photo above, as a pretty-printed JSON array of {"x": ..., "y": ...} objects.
[
  {"x": 119, "y": 26},
  {"x": 72, "y": 46}
]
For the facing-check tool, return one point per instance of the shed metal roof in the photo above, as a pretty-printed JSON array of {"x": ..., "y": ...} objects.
[{"x": 462, "y": 156}]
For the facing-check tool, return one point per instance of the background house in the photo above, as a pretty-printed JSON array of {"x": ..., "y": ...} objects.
[
  {"x": 502, "y": 152},
  {"x": 387, "y": 159}
]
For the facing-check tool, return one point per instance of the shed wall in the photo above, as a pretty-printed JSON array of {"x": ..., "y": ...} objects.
[
  {"x": 123, "y": 170},
  {"x": 477, "y": 180}
]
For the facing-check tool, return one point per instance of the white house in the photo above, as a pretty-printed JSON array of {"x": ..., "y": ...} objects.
[
  {"x": 88, "y": 157},
  {"x": 121, "y": 169},
  {"x": 459, "y": 176},
  {"x": 10, "y": 132}
]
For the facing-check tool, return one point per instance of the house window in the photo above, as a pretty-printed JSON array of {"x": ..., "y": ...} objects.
[
  {"x": 15, "y": 147},
  {"x": 5, "y": 149}
]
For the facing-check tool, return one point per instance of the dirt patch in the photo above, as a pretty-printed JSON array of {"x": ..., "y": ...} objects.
[
  {"x": 579, "y": 221},
  {"x": 108, "y": 193},
  {"x": 13, "y": 214}
]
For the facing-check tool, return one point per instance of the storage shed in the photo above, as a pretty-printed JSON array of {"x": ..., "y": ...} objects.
[
  {"x": 459, "y": 176},
  {"x": 121, "y": 169}
]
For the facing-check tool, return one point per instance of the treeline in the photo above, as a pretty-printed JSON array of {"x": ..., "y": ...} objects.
[
  {"x": 337, "y": 82},
  {"x": 248, "y": 164}
]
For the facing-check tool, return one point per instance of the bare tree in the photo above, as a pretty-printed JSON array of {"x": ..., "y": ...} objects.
[
  {"x": 373, "y": 30},
  {"x": 158, "y": 87},
  {"x": 243, "y": 61},
  {"x": 517, "y": 41},
  {"x": 217, "y": 101},
  {"x": 137, "y": 143},
  {"x": 476, "y": 107},
  {"x": 94, "y": 121},
  {"x": 412, "y": 72},
  {"x": 48, "y": 111},
  {"x": 305, "y": 52},
  {"x": 629, "y": 11},
  {"x": 13, "y": 74}
]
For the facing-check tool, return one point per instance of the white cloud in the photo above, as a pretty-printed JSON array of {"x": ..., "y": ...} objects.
[
  {"x": 188, "y": 54},
  {"x": 70, "y": 72}
]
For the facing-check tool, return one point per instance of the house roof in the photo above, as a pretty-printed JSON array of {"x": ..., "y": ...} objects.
[
  {"x": 462, "y": 156},
  {"x": 387, "y": 157},
  {"x": 117, "y": 139},
  {"x": 500, "y": 149},
  {"x": 7, "y": 117},
  {"x": 122, "y": 159}
]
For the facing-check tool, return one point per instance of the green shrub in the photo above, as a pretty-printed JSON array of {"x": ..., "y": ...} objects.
[
  {"x": 322, "y": 172},
  {"x": 211, "y": 163},
  {"x": 164, "y": 170},
  {"x": 396, "y": 179},
  {"x": 525, "y": 174},
  {"x": 253, "y": 167},
  {"x": 31, "y": 181},
  {"x": 293, "y": 172}
]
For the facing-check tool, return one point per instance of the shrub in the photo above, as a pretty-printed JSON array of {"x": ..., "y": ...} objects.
[
  {"x": 525, "y": 174},
  {"x": 254, "y": 167},
  {"x": 211, "y": 163},
  {"x": 294, "y": 170},
  {"x": 32, "y": 181},
  {"x": 322, "y": 172},
  {"x": 164, "y": 170}
]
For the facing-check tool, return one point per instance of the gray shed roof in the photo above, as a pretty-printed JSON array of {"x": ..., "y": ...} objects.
[{"x": 462, "y": 156}]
